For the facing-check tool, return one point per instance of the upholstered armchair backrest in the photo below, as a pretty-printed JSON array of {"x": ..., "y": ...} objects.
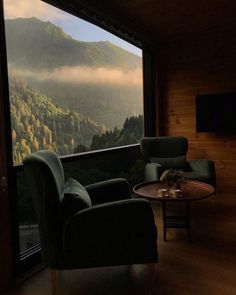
[
  {"x": 46, "y": 180},
  {"x": 163, "y": 147}
]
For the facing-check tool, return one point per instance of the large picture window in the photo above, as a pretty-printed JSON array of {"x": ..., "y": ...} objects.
[{"x": 73, "y": 86}]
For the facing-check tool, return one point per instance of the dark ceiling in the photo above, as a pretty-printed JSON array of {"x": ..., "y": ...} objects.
[
  {"x": 158, "y": 21},
  {"x": 163, "y": 19}
]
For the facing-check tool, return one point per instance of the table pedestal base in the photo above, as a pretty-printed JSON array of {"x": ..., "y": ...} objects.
[{"x": 175, "y": 221}]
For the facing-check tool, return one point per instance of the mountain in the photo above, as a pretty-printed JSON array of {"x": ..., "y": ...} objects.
[
  {"x": 37, "y": 123},
  {"x": 37, "y": 45},
  {"x": 94, "y": 79}
]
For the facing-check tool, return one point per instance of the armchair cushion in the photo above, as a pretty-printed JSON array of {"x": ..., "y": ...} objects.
[
  {"x": 74, "y": 198},
  {"x": 172, "y": 162},
  {"x": 109, "y": 190}
]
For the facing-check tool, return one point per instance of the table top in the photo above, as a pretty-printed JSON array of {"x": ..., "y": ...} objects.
[{"x": 190, "y": 190}]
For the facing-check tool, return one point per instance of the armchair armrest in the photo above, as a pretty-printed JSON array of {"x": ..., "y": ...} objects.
[
  {"x": 204, "y": 167},
  {"x": 108, "y": 190},
  {"x": 121, "y": 232},
  {"x": 153, "y": 171}
]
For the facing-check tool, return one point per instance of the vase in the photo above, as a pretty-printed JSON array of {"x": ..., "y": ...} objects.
[{"x": 173, "y": 185}]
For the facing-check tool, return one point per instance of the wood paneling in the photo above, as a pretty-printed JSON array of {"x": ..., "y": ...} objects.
[{"x": 202, "y": 64}]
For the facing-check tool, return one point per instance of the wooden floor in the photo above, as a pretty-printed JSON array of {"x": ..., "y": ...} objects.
[{"x": 204, "y": 266}]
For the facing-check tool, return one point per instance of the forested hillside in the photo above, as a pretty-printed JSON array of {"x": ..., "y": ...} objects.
[
  {"x": 130, "y": 133},
  {"x": 37, "y": 123},
  {"x": 108, "y": 105}
]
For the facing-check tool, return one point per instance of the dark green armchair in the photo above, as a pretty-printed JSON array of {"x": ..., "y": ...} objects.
[
  {"x": 161, "y": 153},
  {"x": 92, "y": 226}
]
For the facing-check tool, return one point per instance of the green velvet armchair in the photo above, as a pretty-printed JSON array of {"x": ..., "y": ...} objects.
[
  {"x": 92, "y": 226},
  {"x": 161, "y": 153}
]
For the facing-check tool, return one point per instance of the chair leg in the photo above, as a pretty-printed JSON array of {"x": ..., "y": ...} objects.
[
  {"x": 53, "y": 274},
  {"x": 151, "y": 277}
]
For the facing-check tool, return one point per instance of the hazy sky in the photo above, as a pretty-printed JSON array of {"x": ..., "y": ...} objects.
[{"x": 77, "y": 28}]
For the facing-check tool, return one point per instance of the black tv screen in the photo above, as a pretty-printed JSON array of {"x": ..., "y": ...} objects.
[{"x": 216, "y": 112}]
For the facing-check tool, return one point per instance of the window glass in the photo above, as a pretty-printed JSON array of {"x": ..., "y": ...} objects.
[{"x": 73, "y": 86}]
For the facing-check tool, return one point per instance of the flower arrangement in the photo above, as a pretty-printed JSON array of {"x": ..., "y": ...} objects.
[{"x": 172, "y": 177}]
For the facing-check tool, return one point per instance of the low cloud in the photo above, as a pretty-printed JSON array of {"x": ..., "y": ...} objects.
[
  {"x": 30, "y": 8},
  {"x": 87, "y": 75}
]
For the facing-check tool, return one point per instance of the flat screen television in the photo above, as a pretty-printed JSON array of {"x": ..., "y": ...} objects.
[{"x": 216, "y": 113}]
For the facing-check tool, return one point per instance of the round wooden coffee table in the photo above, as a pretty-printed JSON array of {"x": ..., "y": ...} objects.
[{"x": 190, "y": 191}]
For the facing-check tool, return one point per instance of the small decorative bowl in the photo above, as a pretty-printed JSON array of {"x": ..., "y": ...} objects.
[
  {"x": 163, "y": 192},
  {"x": 175, "y": 193}
]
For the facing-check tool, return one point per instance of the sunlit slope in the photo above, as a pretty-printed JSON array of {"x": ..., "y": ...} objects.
[
  {"x": 34, "y": 44},
  {"x": 38, "y": 123}
]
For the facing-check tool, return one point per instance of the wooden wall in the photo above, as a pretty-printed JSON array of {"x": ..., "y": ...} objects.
[{"x": 192, "y": 65}]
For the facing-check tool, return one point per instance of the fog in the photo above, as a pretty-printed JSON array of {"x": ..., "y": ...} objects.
[{"x": 87, "y": 75}]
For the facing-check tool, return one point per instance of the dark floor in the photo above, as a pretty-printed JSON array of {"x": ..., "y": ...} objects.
[{"x": 204, "y": 266}]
